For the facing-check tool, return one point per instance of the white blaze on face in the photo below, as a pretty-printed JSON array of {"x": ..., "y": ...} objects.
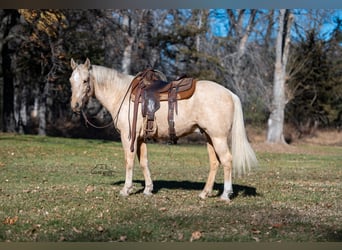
[
  {"x": 76, "y": 76},
  {"x": 77, "y": 91}
]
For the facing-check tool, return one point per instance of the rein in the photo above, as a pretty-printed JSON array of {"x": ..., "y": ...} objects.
[
  {"x": 90, "y": 92},
  {"x": 115, "y": 118},
  {"x": 92, "y": 124}
]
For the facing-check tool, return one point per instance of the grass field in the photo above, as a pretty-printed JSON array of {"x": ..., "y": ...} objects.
[{"x": 56, "y": 189}]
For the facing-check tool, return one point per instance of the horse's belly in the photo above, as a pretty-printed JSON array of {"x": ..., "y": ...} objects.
[{"x": 184, "y": 121}]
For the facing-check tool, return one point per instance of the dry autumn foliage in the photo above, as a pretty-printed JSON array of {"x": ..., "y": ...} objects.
[{"x": 10, "y": 220}]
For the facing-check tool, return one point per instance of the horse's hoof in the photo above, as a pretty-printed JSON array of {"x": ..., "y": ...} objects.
[
  {"x": 148, "y": 190},
  {"x": 148, "y": 193},
  {"x": 225, "y": 197},
  {"x": 203, "y": 195},
  {"x": 124, "y": 192}
]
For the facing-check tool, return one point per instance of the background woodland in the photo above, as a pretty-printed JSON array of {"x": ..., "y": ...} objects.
[{"x": 236, "y": 48}]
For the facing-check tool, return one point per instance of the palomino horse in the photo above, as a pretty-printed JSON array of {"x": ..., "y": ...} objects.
[{"x": 212, "y": 109}]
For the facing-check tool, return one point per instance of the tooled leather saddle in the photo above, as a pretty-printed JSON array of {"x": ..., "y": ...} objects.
[{"x": 149, "y": 88}]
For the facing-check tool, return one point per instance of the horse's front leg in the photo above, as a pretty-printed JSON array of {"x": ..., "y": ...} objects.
[
  {"x": 142, "y": 156},
  {"x": 129, "y": 165}
]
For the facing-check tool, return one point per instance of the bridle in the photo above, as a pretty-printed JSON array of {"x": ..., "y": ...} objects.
[{"x": 88, "y": 94}]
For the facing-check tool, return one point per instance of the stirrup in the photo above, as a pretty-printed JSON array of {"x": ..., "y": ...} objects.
[{"x": 149, "y": 128}]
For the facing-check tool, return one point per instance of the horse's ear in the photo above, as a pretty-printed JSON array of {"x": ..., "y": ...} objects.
[
  {"x": 73, "y": 64},
  {"x": 87, "y": 63}
]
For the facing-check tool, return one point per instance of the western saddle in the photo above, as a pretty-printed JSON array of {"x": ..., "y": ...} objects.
[{"x": 149, "y": 88}]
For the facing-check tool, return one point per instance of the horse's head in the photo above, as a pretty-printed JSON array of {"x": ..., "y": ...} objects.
[{"x": 81, "y": 85}]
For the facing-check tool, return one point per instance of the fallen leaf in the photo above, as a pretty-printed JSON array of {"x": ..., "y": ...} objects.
[
  {"x": 256, "y": 239},
  {"x": 123, "y": 238},
  {"x": 255, "y": 231},
  {"x": 62, "y": 238},
  {"x": 100, "y": 229},
  {"x": 89, "y": 189},
  {"x": 195, "y": 235},
  {"x": 328, "y": 205},
  {"x": 277, "y": 225},
  {"x": 34, "y": 229},
  {"x": 76, "y": 230},
  {"x": 10, "y": 220}
]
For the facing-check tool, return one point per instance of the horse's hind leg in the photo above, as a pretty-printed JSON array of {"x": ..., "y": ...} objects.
[
  {"x": 225, "y": 157},
  {"x": 214, "y": 164},
  {"x": 142, "y": 156}
]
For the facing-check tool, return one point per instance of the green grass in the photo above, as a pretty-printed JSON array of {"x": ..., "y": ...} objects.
[{"x": 56, "y": 189}]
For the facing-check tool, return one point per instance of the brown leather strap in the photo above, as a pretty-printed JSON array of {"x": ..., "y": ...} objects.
[
  {"x": 149, "y": 89},
  {"x": 172, "y": 101},
  {"x": 135, "y": 116}
]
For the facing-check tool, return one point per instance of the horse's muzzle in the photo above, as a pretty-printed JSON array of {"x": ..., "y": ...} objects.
[{"x": 76, "y": 108}]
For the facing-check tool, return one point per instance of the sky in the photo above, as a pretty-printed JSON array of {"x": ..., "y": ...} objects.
[{"x": 219, "y": 22}]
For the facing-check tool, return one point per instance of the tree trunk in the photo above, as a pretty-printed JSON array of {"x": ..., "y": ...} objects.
[
  {"x": 199, "y": 26},
  {"x": 42, "y": 109},
  {"x": 127, "y": 55},
  {"x": 16, "y": 99},
  {"x": 10, "y": 19},
  {"x": 34, "y": 112},
  {"x": 276, "y": 119},
  {"x": 242, "y": 35},
  {"x": 23, "y": 110},
  {"x": 269, "y": 29}
]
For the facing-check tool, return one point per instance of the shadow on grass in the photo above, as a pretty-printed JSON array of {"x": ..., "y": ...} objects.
[
  {"x": 334, "y": 235},
  {"x": 190, "y": 185}
]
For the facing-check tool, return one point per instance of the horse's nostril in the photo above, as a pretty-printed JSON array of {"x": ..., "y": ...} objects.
[{"x": 75, "y": 107}]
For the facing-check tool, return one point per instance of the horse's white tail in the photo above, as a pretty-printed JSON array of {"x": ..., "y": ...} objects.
[{"x": 243, "y": 155}]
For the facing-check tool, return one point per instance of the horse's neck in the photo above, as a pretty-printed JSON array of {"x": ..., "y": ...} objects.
[{"x": 112, "y": 92}]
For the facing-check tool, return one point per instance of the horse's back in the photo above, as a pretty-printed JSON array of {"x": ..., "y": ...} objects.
[
  {"x": 211, "y": 88},
  {"x": 214, "y": 106},
  {"x": 213, "y": 96}
]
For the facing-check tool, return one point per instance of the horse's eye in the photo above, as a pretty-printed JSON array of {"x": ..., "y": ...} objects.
[{"x": 85, "y": 81}]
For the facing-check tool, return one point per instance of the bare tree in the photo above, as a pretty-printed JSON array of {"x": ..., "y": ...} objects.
[
  {"x": 235, "y": 59},
  {"x": 276, "y": 119},
  {"x": 246, "y": 60}
]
